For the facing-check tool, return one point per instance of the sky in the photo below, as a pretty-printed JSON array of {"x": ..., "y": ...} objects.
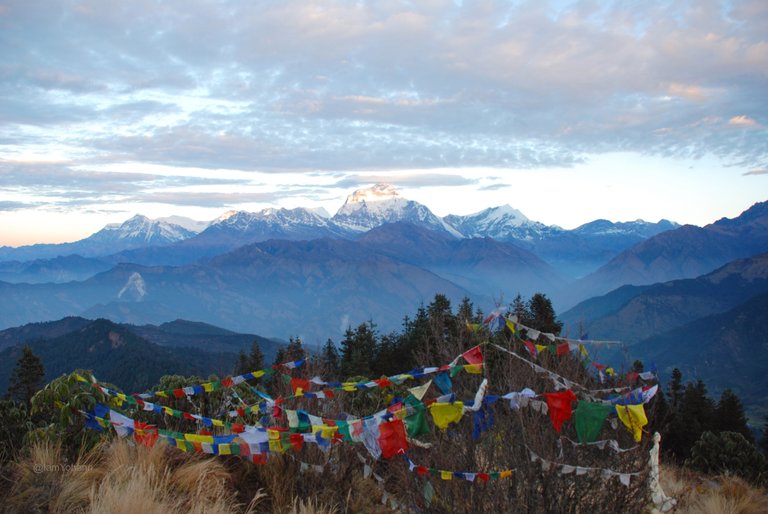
[{"x": 567, "y": 111}]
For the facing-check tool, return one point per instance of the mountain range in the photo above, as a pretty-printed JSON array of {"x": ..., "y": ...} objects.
[
  {"x": 161, "y": 242},
  {"x": 284, "y": 272}
]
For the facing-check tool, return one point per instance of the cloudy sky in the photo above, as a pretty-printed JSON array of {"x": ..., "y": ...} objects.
[{"x": 568, "y": 111}]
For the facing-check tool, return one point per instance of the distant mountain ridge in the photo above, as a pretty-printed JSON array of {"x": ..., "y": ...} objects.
[
  {"x": 139, "y": 231},
  {"x": 633, "y": 313},
  {"x": 145, "y": 242},
  {"x": 684, "y": 252}
]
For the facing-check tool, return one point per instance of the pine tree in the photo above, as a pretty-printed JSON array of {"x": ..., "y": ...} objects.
[
  {"x": 730, "y": 417},
  {"x": 26, "y": 378},
  {"x": 255, "y": 358},
  {"x": 543, "y": 314},
  {"x": 520, "y": 309},
  {"x": 329, "y": 359},
  {"x": 357, "y": 351}
]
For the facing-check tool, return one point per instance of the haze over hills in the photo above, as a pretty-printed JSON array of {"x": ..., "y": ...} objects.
[
  {"x": 308, "y": 288},
  {"x": 684, "y": 252},
  {"x": 633, "y": 313},
  {"x": 726, "y": 350}
]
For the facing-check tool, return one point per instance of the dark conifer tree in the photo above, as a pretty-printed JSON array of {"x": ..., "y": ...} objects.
[
  {"x": 543, "y": 314},
  {"x": 675, "y": 389},
  {"x": 329, "y": 359},
  {"x": 357, "y": 351},
  {"x": 729, "y": 416},
  {"x": 26, "y": 378}
]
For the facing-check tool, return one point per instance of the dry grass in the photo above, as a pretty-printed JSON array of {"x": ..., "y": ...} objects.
[
  {"x": 118, "y": 478},
  {"x": 698, "y": 494}
]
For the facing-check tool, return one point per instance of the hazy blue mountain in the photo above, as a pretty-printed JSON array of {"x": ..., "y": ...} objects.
[
  {"x": 574, "y": 252},
  {"x": 633, "y": 313},
  {"x": 136, "y": 232},
  {"x": 58, "y": 269},
  {"x": 313, "y": 289},
  {"x": 726, "y": 350},
  {"x": 483, "y": 266},
  {"x": 202, "y": 336},
  {"x": 685, "y": 252}
]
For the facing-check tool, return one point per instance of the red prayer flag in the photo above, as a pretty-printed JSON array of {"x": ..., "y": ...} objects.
[
  {"x": 392, "y": 438},
  {"x": 179, "y": 393},
  {"x": 297, "y": 440},
  {"x": 632, "y": 376},
  {"x": 531, "y": 348},
  {"x": 145, "y": 434},
  {"x": 473, "y": 355},
  {"x": 483, "y": 476},
  {"x": 422, "y": 470},
  {"x": 562, "y": 349},
  {"x": 299, "y": 383},
  {"x": 560, "y": 409},
  {"x": 237, "y": 428}
]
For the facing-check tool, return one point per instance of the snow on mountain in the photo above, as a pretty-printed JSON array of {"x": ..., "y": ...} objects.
[
  {"x": 382, "y": 203},
  {"x": 271, "y": 223},
  {"x": 503, "y": 223},
  {"x": 640, "y": 228},
  {"x": 195, "y": 226},
  {"x": 141, "y": 229}
]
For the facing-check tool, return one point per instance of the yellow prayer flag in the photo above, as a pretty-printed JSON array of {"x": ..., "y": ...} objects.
[
  {"x": 180, "y": 444},
  {"x": 197, "y": 438},
  {"x": 208, "y": 387},
  {"x": 633, "y": 417},
  {"x": 506, "y": 473},
  {"x": 475, "y": 369},
  {"x": 326, "y": 431},
  {"x": 540, "y": 348},
  {"x": 583, "y": 350},
  {"x": 443, "y": 414},
  {"x": 446, "y": 475},
  {"x": 511, "y": 326},
  {"x": 225, "y": 449},
  {"x": 299, "y": 392},
  {"x": 217, "y": 423}
]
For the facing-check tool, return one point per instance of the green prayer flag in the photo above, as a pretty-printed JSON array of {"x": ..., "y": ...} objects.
[
  {"x": 589, "y": 418},
  {"x": 415, "y": 423}
]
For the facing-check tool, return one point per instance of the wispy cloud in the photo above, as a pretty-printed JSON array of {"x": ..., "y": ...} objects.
[
  {"x": 756, "y": 172},
  {"x": 374, "y": 88}
]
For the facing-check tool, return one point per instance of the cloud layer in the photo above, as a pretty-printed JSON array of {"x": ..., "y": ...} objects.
[{"x": 342, "y": 87}]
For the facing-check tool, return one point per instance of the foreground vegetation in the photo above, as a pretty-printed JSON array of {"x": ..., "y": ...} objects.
[{"x": 53, "y": 463}]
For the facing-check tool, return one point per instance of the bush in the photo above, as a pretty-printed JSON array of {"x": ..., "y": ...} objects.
[{"x": 728, "y": 453}]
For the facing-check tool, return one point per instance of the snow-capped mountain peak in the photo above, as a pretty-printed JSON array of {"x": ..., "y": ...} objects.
[
  {"x": 372, "y": 207},
  {"x": 376, "y": 193}
]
